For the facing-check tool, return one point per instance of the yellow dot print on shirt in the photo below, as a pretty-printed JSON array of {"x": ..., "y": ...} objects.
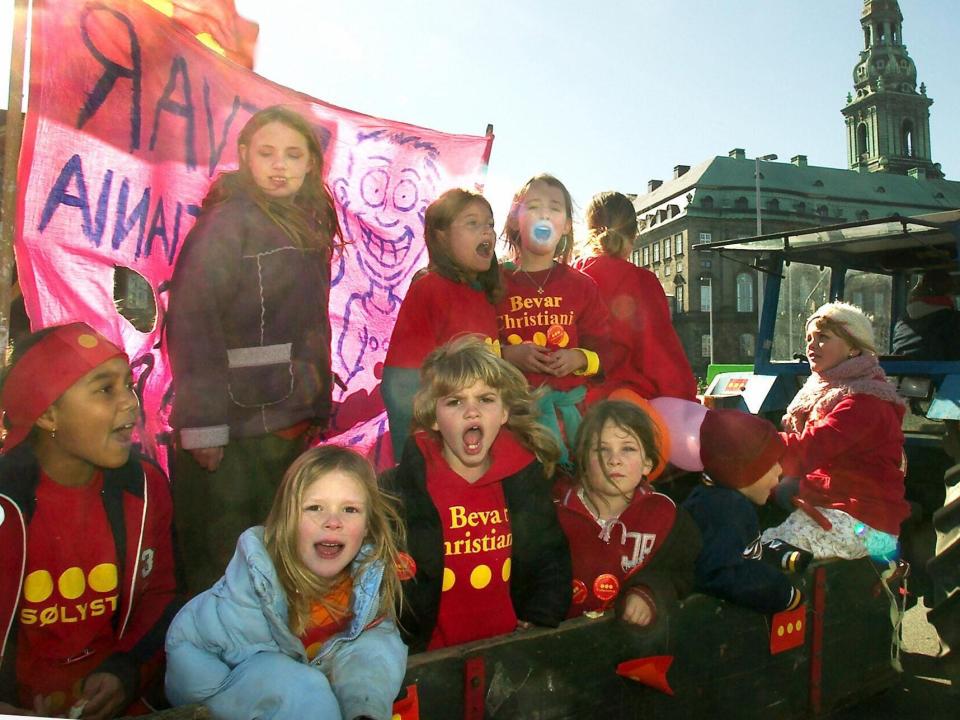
[
  {"x": 448, "y": 579},
  {"x": 540, "y": 339},
  {"x": 87, "y": 341},
  {"x": 71, "y": 583},
  {"x": 480, "y": 577},
  {"x": 103, "y": 578},
  {"x": 38, "y": 586},
  {"x": 514, "y": 339},
  {"x": 505, "y": 571}
]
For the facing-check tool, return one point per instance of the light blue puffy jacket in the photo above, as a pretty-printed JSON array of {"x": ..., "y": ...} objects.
[{"x": 230, "y": 648}]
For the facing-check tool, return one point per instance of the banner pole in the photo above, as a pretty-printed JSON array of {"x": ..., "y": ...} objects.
[{"x": 11, "y": 156}]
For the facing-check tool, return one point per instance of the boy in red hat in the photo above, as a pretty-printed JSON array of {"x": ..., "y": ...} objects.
[
  {"x": 87, "y": 584},
  {"x": 741, "y": 457}
]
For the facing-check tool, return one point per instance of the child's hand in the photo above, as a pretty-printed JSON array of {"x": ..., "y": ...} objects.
[
  {"x": 529, "y": 357},
  {"x": 104, "y": 695},
  {"x": 565, "y": 362},
  {"x": 637, "y": 610},
  {"x": 208, "y": 458}
]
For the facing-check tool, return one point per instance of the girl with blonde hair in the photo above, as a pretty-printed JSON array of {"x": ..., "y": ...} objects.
[
  {"x": 303, "y": 622},
  {"x": 845, "y": 443},
  {"x": 487, "y": 554}
]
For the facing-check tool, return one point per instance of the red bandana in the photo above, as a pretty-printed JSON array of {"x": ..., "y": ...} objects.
[{"x": 46, "y": 371}]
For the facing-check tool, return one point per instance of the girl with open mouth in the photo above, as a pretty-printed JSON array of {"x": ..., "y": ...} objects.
[
  {"x": 487, "y": 552},
  {"x": 455, "y": 295},
  {"x": 303, "y": 623}
]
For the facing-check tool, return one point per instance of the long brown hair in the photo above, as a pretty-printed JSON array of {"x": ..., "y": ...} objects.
[
  {"x": 511, "y": 229},
  {"x": 310, "y": 221},
  {"x": 438, "y": 218},
  {"x": 468, "y": 359},
  {"x": 385, "y": 533}
]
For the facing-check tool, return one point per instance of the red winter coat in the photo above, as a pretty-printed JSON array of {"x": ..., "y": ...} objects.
[{"x": 851, "y": 461}]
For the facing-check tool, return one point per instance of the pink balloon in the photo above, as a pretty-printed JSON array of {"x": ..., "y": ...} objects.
[{"x": 683, "y": 419}]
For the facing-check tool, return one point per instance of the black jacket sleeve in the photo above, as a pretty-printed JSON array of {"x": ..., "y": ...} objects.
[{"x": 542, "y": 579}]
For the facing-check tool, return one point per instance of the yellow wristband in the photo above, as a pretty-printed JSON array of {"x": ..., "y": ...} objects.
[{"x": 593, "y": 362}]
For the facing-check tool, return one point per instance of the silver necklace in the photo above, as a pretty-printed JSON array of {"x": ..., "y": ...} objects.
[{"x": 537, "y": 285}]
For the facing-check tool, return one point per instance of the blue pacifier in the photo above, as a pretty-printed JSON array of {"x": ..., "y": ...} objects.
[{"x": 542, "y": 232}]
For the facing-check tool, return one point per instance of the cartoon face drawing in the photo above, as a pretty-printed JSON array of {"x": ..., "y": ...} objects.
[
  {"x": 391, "y": 178},
  {"x": 389, "y": 181}
]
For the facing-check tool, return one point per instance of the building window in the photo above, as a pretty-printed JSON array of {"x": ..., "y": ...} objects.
[
  {"x": 863, "y": 215},
  {"x": 666, "y": 268},
  {"x": 705, "y": 237},
  {"x": 740, "y": 203},
  {"x": 635, "y": 257},
  {"x": 773, "y": 205},
  {"x": 746, "y": 345},
  {"x": 861, "y": 139},
  {"x": 678, "y": 244},
  {"x": 706, "y": 297},
  {"x": 800, "y": 208},
  {"x": 705, "y": 342},
  {"x": 666, "y": 248},
  {"x": 706, "y": 264},
  {"x": 656, "y": 252},
  {"x": 707, "y": 202},
  {"x": 646, "y": 255},
  {"x": 744, "y": 292},
  {"x": 678, "y": 296},
  {"x": 823, "y": 211}
]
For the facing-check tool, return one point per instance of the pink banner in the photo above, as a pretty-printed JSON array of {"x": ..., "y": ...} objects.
[{"x": 130, "y": 119}]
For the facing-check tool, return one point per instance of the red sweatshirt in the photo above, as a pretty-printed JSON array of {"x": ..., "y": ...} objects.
[
  {"x": 656, "y": 365},
  {"x": 606, "y": 554},
  {"x": 435, "y": 310},
  {"x": 477, "y": 538},
  {"x": 571, "y": 303}
]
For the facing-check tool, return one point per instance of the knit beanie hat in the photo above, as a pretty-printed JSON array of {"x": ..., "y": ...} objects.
[
  {"x": 852, "y": 319},
  {"x": 737, "y": 448}
]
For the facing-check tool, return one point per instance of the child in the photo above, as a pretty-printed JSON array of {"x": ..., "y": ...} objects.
[
  {"x": 302, "y": 624},
  {"x": 553, "y": 324},
  {"x": 487, "y": 551},
  {"x": 656, "y": 365},
  {"x": 456, "y": 295},
  {"x": 741, "y": 456},
  {"x": 627, "y": 543},
  {"x": 844, "y": 441},
  {"x": 249, "y": 337},
  {"x": 86, "y": 568}
]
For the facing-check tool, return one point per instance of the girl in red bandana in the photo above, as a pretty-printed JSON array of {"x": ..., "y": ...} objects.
[{"x": 87, "y": 583}]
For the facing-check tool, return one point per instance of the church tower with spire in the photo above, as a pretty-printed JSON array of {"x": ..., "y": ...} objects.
[{"x": 887, "y": 118}]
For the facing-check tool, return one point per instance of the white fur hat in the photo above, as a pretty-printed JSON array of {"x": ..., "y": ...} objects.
[{"x": 852, "y": 319}]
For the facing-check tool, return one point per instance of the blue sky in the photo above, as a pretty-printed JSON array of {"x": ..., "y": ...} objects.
[{"x": 604, "y": 95}]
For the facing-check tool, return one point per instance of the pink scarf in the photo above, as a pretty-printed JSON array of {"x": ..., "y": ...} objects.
[{"x": 823, "y": 391}]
